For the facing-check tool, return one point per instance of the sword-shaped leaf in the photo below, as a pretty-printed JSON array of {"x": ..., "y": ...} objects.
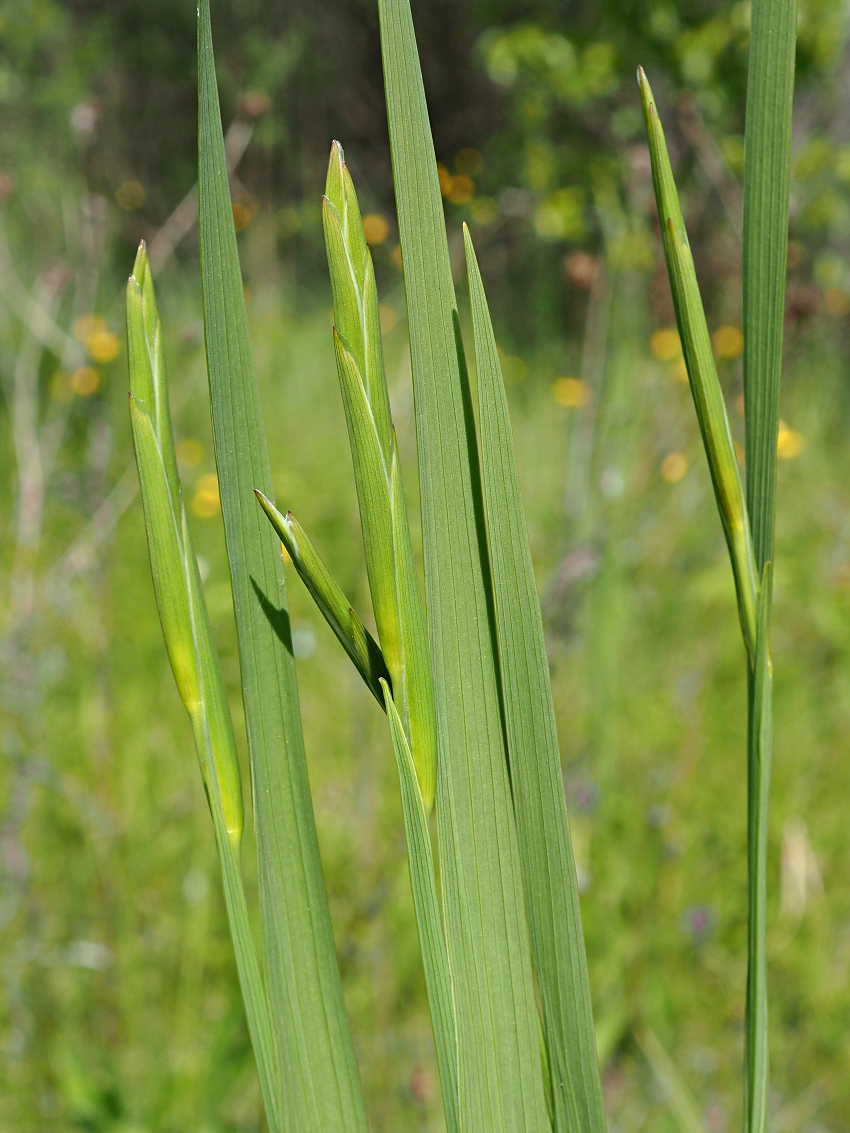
[
  {"x": 767, "y": 173},
  {"x": 188, "y": 639},
  {"x": 767, "y": 176},
  {"x": 549, "y": 874},
  {"x": 319, "y": 1081},
  {"x": 499, "y": 1070}
]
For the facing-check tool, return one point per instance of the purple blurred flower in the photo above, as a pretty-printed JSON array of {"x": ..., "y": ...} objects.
[{"x": 698, "y": 923}]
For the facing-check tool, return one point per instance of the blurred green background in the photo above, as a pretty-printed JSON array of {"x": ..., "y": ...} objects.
[{"x": 119, "y": 1009}]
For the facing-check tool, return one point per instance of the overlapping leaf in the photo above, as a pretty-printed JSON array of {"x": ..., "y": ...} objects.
[
  {"x": 190, "y": 648},
  {"x": 319, "y": 1080},
  {"x": 499, "y": 1070},
  {"x": 702, "y": 374},
  {"x": 549, "y": 872}
]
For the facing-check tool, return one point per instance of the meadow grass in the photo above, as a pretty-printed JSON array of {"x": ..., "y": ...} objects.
[
  {"x": 158, "y": 1033},
  {"x": 634, "y": 1022}
]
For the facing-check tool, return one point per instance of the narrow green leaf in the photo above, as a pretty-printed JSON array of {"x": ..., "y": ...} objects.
[
  {"x": 424, "y": 886},
  {"x": 767, "y": 169},
  {"x": 320, "y": 1084},
  {"x": 499, "y": 1070},
  {"x": 355, "y": 639},
  {"x": 197, "y": 671},
  {"x": 702, "y": 373},
  {"x": 396, "y": 600},
  {"x": 767, "y": 172},
  {"x": 549, "y": 873},
  {"x": 759, "y": 764}
]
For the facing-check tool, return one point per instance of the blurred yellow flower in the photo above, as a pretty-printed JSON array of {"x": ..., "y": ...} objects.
[
  {"x": 728, "y": 342},
  {"x": 674, "y": 467},
  {"x": 206, "y": 502},
  {"x": 789, "y": 443},
  {"x": 395, "y": 258},
  {"x": 665, "y": 345},
  {"x": 572, "y": 393},
  {"x": 375, "y": 228},
  {"x": 103, "y": 346},
  {"x": 190, "y": 452},
  {"x": 85, "y": 381}
]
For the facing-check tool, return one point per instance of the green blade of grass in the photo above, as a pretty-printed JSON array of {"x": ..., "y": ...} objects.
[
  {"x": 702, "y": 373},
  {"x": 195, "y": 663},
  {"x": 758, "y": 795},
  {"x": 538, "y": 788},
  {"x": 424, "y": 887},
  {"x": 767, "y": 172},
  {"x": 319, "y": 1079},
  {"x": 337, "y": 611},
  {"x": 499, "y": 1069}
]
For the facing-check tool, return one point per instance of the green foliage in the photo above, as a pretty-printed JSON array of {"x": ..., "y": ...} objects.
[
  {"x": 318, "y": 1076},
  {"x": 121, "y": 1010},
  {"x": 549, "y": 875},
  {"x": 188, "y": 638},
  {"x": 702, "y": 372},
  {"x": 750, "y": 540}
]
